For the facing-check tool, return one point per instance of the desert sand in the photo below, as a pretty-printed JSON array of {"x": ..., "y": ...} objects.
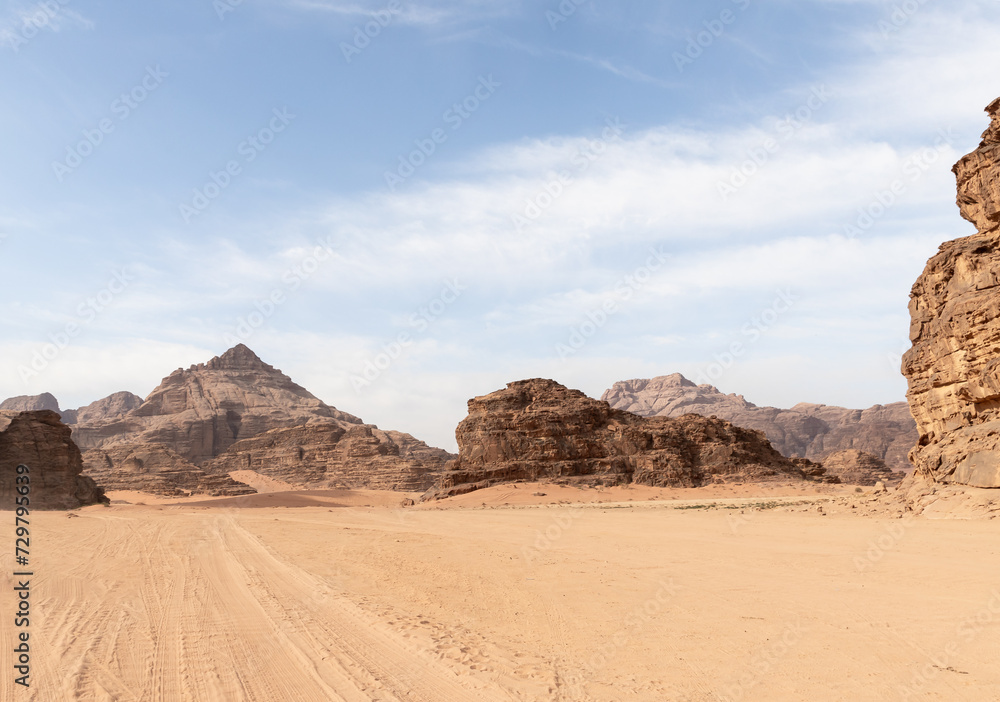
[{"x": 722, "y": 593}]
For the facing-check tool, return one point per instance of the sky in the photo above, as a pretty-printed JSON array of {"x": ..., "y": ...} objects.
[{"x": 403, "y": 204}]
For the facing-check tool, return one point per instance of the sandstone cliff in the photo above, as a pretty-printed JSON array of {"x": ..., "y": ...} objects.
[
  {"x": 156, "y": 469},
  {"x": 329, "y": 455},
  {"x": 806, "y": 430},
  {"x": 953, "y": 367},
  {"x": 860, "y": 468},
  {"x": 539, "y": 429},
  {"x": 40, "y": 441}
]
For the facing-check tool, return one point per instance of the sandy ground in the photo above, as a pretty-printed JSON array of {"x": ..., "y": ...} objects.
[{"x": 643, "y": 594}]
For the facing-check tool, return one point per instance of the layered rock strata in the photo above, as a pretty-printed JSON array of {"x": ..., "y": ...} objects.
[
  {"x": 538, "y": 429},
  {"x": 953, "y": 366},
  {"x": 329, "y": 455},
  {"x": 860, "y": 468},
  {"x": 41, "y": 442},
  {"x": 156, "y": 469},
  {"x": 200, "y": 412}
]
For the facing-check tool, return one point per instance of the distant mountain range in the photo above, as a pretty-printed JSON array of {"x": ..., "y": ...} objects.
[
  {"x": 237, "y": 413},
  {"x": 806, "y": 430}
]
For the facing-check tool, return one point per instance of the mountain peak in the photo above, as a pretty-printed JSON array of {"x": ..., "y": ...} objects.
[{"x": 240, "y": 357}]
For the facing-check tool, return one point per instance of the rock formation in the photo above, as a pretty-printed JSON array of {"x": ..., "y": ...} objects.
[
  {"x": 539, "y": 429},
  {"x": 236, "y": 412},
  {"x": 31, "y": 403},
  {"x": 200, "y": 412},
  {"x": 806, "y": 430},
  {"x": 109, "y": 408},
  {"x": 328, "y": 455},
  {"x": 40, "y": 441},
  {"x": 156, "y": 469},
  {"x": 953, "y": 366},
  {"x": 856, "y": 467}
]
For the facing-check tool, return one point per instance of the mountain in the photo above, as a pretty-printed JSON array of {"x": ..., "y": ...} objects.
[
  {"x": 236, "y": 412},
  {"x": 806, "y": 430},
  {"x": 200, "y": 412},
  {"x": 31, "y": 403}
]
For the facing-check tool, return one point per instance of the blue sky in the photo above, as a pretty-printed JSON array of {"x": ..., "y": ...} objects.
[{"x": 406, "y": 204}]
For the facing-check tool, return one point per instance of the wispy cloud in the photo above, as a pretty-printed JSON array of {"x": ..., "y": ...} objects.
[
  {"x": 423, "y": 14},
  {"x": 21, "y": 21}
]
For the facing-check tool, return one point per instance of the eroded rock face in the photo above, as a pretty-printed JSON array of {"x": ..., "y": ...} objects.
[
  {"x": 43, "y": 443},
  {"x": 539, "y": 429},
  {"x": 856, "y": 467},
  {"x": 31, "y": 403},
  {"x": 155, "y": 469},
  {"x": 329, "y": 455},
  {"x": 237, "y": 412},
  {"x": 110, "y": 408},
  {"x": 953, "y": 367},
  {"x": 806, "y": 430},
  {"x": 200, "y": 412}
]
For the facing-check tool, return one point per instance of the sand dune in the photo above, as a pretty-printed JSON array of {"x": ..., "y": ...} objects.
[{"x": 663, "y": 600}]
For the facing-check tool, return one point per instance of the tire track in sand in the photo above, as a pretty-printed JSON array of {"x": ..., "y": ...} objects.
[{"x": 353, "y": 654}]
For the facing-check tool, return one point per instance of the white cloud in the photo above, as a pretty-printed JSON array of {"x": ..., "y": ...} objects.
[
  {"x": 21, "y": 22},
  {"x": 423, "y": 14},
  {"x": 529, "y": 288}
]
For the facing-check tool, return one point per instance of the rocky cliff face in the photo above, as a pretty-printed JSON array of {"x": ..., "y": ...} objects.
[
  {"x": 40, "y": 441},
  {"x": 539, "y": 429},
  {"x": 155, "y": 469},
  {"x": 110, "y": 407},
  {"x": 953, "y": 367},
  {"x": 328, "y": 455},
  {"x": 860, "y": 468},
  {"x": 200, "y": 412},
  {"x": 806, "y": 430}
]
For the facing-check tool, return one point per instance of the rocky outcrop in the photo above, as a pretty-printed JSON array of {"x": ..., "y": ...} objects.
[
  {"x": 806, "y": 430},
  {"x": 31, "y": 403},
  {"x": 539, "y": 429},
  {"x": 110, "y": 408},
  {"x": 40, "y": 441},
  {"x": 856, "y": 467},
  {"x": 156, "y": 469},
  {"x": 953, "y": 366},
  {"x": 200, "y": 412},
  {"x": 328, "y": 455}
]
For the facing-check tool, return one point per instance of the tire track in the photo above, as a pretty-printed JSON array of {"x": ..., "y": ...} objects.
[{"x": 372, "y": 658}]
